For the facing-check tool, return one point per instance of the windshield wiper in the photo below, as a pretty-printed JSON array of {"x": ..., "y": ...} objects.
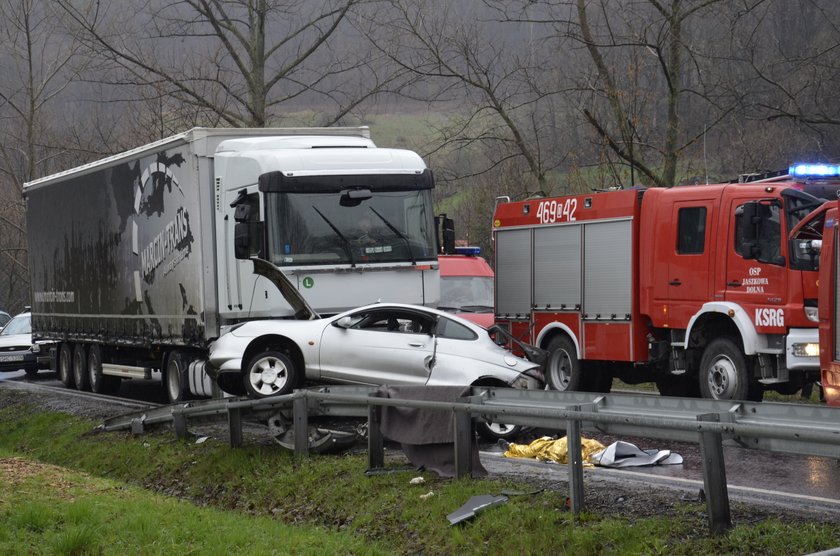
[
  {"x": 399, "y": 234},
  {"x": 347, "y": 247}
]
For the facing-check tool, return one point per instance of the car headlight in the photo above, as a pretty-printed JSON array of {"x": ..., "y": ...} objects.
[
  {"x": 811, "y": 314},
  {"x": 531, "y": 379},
  {"x": 35, "y": 348}
]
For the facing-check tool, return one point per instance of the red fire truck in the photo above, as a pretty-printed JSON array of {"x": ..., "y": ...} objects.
[
  {"x": 706, "y": 290},
  {"x": 829, "y": 315}
]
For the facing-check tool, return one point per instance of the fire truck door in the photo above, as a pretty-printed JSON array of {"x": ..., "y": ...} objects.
[
  {"x": 688, "y": 251},
  {"x": 758, "y": 282}
]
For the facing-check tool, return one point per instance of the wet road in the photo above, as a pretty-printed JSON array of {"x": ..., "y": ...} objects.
[{"x": 747, "y": 470}]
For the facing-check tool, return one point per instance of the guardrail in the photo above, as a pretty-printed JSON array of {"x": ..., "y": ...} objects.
[{"x": 785, "y": 428}]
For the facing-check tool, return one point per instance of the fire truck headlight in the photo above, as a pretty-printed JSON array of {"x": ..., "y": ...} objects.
[
  {"x": 811, "y": 314},
  {"x": 806, "y": 350}
]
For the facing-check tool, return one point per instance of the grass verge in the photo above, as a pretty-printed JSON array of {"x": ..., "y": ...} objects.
[{"x": 250, "y": 497}]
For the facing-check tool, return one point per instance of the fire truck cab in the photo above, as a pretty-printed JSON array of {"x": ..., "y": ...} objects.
[{"x": 706, "y": 290}]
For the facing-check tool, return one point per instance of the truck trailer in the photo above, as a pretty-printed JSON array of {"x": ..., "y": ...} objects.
[
  {"x": 705, "y": 290},
  {"x": 140, "y": 260}
]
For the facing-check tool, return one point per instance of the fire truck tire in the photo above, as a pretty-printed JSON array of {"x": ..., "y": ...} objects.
[
  {"x": 270, "y": 373},
  {"x": 724, "y": 372},
  {"x": 597, "y": 378},
  {"x": 80, "y": 370},
  {"x": 65, "y": 365},
  {"x": 562, "y": 368},
  {"x": 681, "y": 386}
]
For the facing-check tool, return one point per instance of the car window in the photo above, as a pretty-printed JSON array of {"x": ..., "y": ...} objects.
[
  {"x": 18, "y": 325},
  {"x": 4, "y": 318},
  {"x": 452, "y": 330},
  {"x": 404, "y": 322}
]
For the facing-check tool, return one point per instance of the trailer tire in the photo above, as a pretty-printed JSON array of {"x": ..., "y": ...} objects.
[
  {"x": 80, "y": 370},
  {"x": 65, "y": 365},
  {"x": 99, "y": 382},
  {"x": 270, "y": 373},
  {"x": 562, "y": 368},
  {"x": 175, "y": 380},
  {"x": 725, "y": 372}
]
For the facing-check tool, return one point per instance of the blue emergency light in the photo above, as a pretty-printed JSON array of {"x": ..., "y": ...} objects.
[
  {"x": 815, "y": 170},
  {"x": 470, "y": 251}
]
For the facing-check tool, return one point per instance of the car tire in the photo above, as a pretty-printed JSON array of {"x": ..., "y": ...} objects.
[
  {"x": 99, "y": 383},
  {"x": 65, "y": 365},
  {"x": 270, "y": 373},
  {"x": 562, "y": 367},
  {"x": 725, "y": 372},
  {"x": 493, "y": 432},
  {"x": 80, "y": 370},
  {"x": 175, "y": 381}
]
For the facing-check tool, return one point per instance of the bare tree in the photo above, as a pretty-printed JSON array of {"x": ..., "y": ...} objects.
[
  {"x": 233, "y": 62},
  {"x": 39, "y": 63}
]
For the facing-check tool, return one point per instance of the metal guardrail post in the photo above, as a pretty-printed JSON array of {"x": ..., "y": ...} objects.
[
  {"x": 179, "y": 421},
  {"x": 235, "y": 426},
  {"x": 301, "y": 424},
  {"x": 376, "y": 443},
  {"x": 714, "y": 477},
  {"x": 575, "y": 455},
  {"x": 464, "y": 437}
]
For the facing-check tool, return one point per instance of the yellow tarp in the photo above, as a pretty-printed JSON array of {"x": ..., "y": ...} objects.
[{"x": 552, "y": 449}]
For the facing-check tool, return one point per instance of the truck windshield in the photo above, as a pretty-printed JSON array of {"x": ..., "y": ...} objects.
[
  {"x": 467, "y": 294},
  {"x": 331, "y": 228},
  {"x": 801, "y": 206}
]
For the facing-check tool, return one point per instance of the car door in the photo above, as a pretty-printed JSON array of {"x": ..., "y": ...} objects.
[{"x": 378, "y": 346}]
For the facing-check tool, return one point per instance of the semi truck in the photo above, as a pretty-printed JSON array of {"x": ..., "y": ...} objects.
[
  {"x": 140, "y": 260},
  {"x": 705, "y": 290}
]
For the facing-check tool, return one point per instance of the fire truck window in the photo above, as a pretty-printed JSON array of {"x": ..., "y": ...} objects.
[{"x": 691, "y": 231}]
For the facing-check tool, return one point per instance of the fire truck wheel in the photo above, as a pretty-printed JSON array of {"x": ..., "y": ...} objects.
[
  {"x": 65, "y": 365},
  {"x": 724, "y": 372},
  {"x": 682, "y": 386},
  {"x": 270, "y": 373},
  {"x": 562, "y": 368},
  {"x": 80, "y": 370}
]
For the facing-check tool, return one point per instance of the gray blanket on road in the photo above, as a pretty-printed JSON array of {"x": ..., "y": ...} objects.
[{"x": 427, "y": 436}]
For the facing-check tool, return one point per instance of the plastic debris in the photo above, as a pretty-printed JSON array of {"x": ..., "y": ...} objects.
[
  {"x": 475, "y": 505},
  {"x": 427, "y": 495},
  {"x": 417, "y": 481}
]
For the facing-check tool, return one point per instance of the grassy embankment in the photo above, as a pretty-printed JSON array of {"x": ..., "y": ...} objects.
[{"x": 115, "y": 494}]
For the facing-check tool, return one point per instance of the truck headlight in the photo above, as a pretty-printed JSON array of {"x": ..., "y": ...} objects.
[
  {"x": 811, "y": 314},
  {"x": 806, "y": 350}
]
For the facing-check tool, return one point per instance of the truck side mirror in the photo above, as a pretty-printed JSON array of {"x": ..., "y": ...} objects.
[{"x": 242, "y": 240}]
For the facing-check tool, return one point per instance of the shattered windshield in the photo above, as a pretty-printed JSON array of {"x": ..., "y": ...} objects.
[{"x": 355, "y": 227}]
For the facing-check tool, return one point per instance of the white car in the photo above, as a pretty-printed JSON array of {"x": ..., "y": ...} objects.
[
  {"x": 17, "y": 350},
  {"x": 379, "y": 344}
]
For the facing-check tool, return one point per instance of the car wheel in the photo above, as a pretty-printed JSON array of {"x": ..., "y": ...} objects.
[
  {"x": 99, "y": 383},
  {"x": 496, "y": 431},
  {"x": 563, "y": 369},
  {"x": 270, "y": 373},
  {"x": 175, "y": 378},
  {"x": 725, "y": 372},
  {"x": 80, "y": 370},
  {"x": 65, "y": 365}
]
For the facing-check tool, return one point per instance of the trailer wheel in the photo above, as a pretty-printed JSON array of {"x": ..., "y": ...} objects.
[
  {"x": 724, "y": 372},
  {"x": 99, "y": 383},
  {"x": 80, "y": 370},
  {"x": 562, "y": 368},
  {"x": 65, "y": 365},
  {"x": 270, "y": 373},
  {"x": 175, "y": 380}
]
